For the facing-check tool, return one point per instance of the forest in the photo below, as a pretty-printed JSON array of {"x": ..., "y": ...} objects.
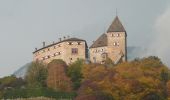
[{"x": 141, "y": 79}]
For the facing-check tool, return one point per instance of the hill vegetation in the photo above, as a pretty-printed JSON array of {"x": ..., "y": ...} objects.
[{"x": 140, "y": 79}]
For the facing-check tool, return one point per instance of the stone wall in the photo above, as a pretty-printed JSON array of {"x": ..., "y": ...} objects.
[{"x": 62, "y": 50}]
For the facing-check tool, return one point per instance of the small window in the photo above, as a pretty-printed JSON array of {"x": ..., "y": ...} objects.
[
  {"x": 117, "y": 34},
  {"x": 70, "y": 43},
  {"x": 79, "y": 43},
  {"x": 74, "y": 50},
  {"x": 116, "y": 43},
  {"x": 48, "y": 56}
]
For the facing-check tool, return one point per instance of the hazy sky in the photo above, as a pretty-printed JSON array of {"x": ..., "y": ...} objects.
[{"x": 24, "y": 24}]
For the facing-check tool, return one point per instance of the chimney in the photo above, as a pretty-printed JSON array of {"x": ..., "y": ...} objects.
[
  {"x": 64, "y": 37},
  {"x": 60, "y": 39},
  {"x": 43, "y": 44}
]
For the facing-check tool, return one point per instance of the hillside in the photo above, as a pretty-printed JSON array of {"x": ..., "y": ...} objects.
[{"x": 141, "y": 79}]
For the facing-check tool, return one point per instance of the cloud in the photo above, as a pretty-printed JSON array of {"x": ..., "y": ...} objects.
[{"x": 160, "y": 45}]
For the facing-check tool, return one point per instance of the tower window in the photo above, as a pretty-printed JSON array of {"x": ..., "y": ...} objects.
[
  {"x": 74, "y": 50},
  {"x": 117, "y": 34},
  {"x": 116, "y": 43}
]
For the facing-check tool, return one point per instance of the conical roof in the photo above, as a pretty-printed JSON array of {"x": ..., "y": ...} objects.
[{"x": 116, "y": 26}]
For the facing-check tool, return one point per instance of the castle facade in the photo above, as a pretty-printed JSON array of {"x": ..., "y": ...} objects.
[
  {"x": 111, "y": 44},
  {"x": 69, "y": 50}
]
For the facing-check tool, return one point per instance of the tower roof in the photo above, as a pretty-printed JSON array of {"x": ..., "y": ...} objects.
[
  {"x": 116, "y": 26},
  {"x": 100, "y": 42}
]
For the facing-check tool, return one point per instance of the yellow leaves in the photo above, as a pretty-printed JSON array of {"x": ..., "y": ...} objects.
[
  {"x": 89, "y": 90},
  {"x": 129, "y": 80}
]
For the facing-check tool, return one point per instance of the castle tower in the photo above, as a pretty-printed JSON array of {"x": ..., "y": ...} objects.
[
  {"x": 111, "y": 44},
  {"x": 117, "y": 44}
]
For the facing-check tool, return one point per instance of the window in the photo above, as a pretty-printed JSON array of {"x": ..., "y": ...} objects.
[
  {"x": 116, "y": 43},
  {"x": 70, "y": 43},
  {"x": 79, "y": 43},
  {"x": 117, "y": 34},
  {"x": 74, "y": 50}
]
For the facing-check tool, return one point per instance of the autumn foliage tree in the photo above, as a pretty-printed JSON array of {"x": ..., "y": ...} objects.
[
  {"x": 141, "y": 79},
  {"x": 57, "y": 78}
]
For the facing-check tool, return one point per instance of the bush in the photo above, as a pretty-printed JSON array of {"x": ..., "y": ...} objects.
[
  {"x": 74, "y": 72},
  {"x": 37, "y": 92}
]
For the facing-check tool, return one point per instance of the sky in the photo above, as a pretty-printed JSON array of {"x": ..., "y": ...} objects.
[{"x": 25, "y": 24}]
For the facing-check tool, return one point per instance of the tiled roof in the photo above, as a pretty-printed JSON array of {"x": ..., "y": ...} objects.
[
  {"x": 100, "y": 42},
  {"x": 116, "y": 26},
  {"x": 70, "y": 39}
]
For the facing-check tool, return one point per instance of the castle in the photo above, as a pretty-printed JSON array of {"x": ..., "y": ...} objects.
[{"x": 111, "y": 44}]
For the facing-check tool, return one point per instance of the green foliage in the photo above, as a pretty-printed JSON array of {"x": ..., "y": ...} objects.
[
  {"x": 7, "y": 80},
  {"x": 37, "y": 92},
  {"x": 141, "y": 79},
  {"x": 74, "y": 72},
  {"x": 37, "y": 74},
  {"x": 11, "y": 82},
  {"x": 109, "y": 62},
  {"x": 164, "y": 75}
]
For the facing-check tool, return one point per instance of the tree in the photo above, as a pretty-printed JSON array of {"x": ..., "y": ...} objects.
[
  {"x": 36, "y": 74},
  {"x": 136, "y": 80},
  {"x": 11, "y": 82},
  {"x": 74, "y": 72},
  {"x": 57, "y": 78}
]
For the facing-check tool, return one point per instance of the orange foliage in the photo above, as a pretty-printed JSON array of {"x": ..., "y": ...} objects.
[
  {"x": 136, "y": 80},
  {"x": 57, "y": 78}
]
